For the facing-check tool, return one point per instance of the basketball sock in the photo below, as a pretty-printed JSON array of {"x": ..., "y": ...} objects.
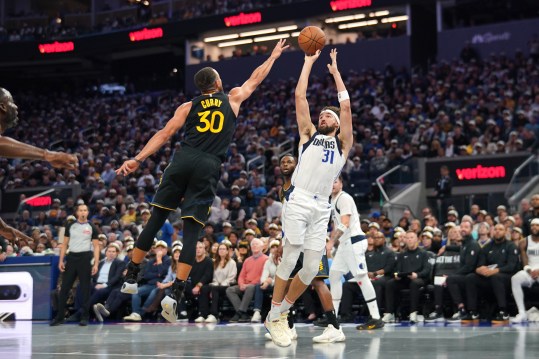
[
  {"x": 275, "y": 311},
  {"x": 373, "y": 309},
  {"x": 286, "y": 305},
  {"x": 156, "y": 221},
  {"x": 332, "y": 318}
]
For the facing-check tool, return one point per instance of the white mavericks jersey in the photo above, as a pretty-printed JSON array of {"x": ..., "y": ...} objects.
[
  {"x": 532, "y": 250},
  {"x": 342, "y": 205},
  {"x": 319, "y": 164}
]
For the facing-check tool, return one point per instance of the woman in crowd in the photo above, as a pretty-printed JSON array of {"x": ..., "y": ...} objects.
[{"x": 224, "y": 275}]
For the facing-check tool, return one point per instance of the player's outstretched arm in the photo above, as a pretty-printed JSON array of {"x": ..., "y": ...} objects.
[
  {"x": 11, "y": 148},
  {"x": 11, "y": 233},
  {"x": 158, "y": 140},
  {"x": 346, "y": 134},
  {"x": 240, "y": 94},
  {"x": 303, "y": 114}
]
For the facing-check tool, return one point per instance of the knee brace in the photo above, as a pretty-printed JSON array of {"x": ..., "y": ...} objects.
[
  {"x": 311, "y": 264},
  {"x": 288, "y": 261}
]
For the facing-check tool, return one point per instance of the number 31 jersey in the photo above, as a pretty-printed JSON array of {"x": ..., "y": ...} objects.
[
  {"x": 210, "y": 124},
  {"x": 320, "y": 163}
]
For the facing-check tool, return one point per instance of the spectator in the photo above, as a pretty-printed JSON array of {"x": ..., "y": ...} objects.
[
  {"x": 250, "y": 275},
  {"x": 224, "y": 275}
]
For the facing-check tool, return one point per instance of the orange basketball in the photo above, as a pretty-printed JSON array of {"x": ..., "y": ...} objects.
[{"x": 311, "y": 39}]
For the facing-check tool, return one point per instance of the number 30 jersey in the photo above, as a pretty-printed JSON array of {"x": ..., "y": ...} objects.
[
  {"x": 210, "y": 124},
  {"x": 320, "y": 163}
]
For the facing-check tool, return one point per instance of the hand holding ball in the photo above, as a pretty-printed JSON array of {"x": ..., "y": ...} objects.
[{"x": 311, "y": 39}]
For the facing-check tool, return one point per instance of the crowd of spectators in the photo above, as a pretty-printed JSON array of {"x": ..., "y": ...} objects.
[
  {"x": 143, "y": 16},
  {"x": 466, "y": 107}
]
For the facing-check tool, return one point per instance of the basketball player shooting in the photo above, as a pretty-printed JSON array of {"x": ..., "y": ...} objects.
[
  {"x": 210, "y": 122},
  {"x": 305, "y": 216}
]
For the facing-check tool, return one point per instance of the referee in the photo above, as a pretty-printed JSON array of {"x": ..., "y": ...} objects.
[{"x": 80, "y": 237}]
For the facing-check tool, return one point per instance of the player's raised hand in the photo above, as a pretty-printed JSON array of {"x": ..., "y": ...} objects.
[
  {"x": 61, "y": 160},
  {"x": 279, "y": 48},
  {"x": 333, "y": 66},
  {"x": 311, "y": 59},
  {"x": 127, "y": 167}
]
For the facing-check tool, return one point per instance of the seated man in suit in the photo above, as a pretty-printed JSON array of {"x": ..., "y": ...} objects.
[{"x": 107, "y": 278}]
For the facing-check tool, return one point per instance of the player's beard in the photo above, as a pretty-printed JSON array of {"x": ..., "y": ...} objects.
[
  {"x": 11, "y": 118},
  {"x": 326, "y": 130}
]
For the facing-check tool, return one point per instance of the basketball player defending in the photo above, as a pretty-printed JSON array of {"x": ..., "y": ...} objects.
[
  {"x": 350, "y": 256},
  {"x": 306, "y": 214},
  {"x": 210, "y": 122},
  {"x": 11, "y": 148}
]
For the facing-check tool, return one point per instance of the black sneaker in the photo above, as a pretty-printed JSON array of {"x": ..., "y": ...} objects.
[
  {"x": 83, "y": 322},
  {"x": 458, "y": 316},
  {"x": 73, "y": 318},
  {"x": 346, "y": 318},
  {"x": 371, "y": 324},
  {"x": 244, "y": 318},
  {"x": 321, "y": 322},
  {"x": 130, "y": 281},
  {"x": 434, "y": 317},
  {"x": 470, "y": 317},
  {"x": 55, "y": 322},
  {"x": 235, "y": 318},
  {"x": 501, "y": 317}
]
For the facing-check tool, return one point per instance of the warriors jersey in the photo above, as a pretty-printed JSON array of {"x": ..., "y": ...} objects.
[
  {"x": 210, "y": 124},
  {"x": 319, "y": 164},
  {"x": 532, "y": 250},
  {"x": 342, "y": 205}
]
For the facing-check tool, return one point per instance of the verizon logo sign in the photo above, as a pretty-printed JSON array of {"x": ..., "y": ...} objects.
[
  {"x": 340, "y": 5},
  {"x": 489, "y": 37},
  {"x": 146, "y": 34},
  {"x": 56, "y": 47},
  {"x": 243, "y": 19},
  {"x": 480, "y": 172}
]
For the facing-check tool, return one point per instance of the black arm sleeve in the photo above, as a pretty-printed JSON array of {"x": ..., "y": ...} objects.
[
  {"x": 512, "y": 259},
  {"x": 425, "y": 267},
  {"x": 389, "y": 266},
  {"x": 470, "y": 260}
]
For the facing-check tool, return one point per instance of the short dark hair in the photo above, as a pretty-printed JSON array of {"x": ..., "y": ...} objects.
[
  {"x": 205, "y": 79},
  {"x": 288, "y": 155},
  {"x": 334, "y": 109}
]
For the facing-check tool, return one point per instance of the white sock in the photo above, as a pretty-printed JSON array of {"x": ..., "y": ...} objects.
[
  {"x": 286, "y": 305},
  {"x": 275, "y": 311},
  {"x": 368, "y": 292}
]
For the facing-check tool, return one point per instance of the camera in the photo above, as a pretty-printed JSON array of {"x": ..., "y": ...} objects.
[{"x": 10, "y": 292}]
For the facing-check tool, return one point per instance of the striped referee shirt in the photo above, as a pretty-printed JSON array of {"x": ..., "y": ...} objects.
[{"x": 80, "y": 236}]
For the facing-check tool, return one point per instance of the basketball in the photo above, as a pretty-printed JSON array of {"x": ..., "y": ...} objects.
[{"x": 311, "y": 39}]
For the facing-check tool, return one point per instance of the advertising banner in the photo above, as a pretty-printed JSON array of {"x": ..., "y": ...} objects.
[
  {"x": 476, "y": 170},
  {"x": 505, "y": 37}
]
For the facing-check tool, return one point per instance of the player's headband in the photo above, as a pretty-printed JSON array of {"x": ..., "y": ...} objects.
[{"x": 332, "y": 113}]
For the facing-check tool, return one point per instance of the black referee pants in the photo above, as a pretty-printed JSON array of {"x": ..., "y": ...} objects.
[
  {"x": 499, "y": 283},
  {"x": 77, "y": 265}
]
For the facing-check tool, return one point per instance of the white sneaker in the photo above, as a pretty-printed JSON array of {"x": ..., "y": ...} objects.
[
  {"x": 330, "y": 335},
  {"x": 413, "y": 317},
  {"x": 169, "y": 306},
  {"x": 211, "y": 319},
  {"x": 293, "y": 334},
  {"x": 200, "y": 319},
  {"x": 279, "y": 331},
  {"x": 100, "y": 311},
  {"x": 129, "y": 288},
  {"x": 133, "y": 317},
  {"x": 256, "y": 317},
  {"x": 519, "y": 318},
  {"x": 388, "y": 318}
]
